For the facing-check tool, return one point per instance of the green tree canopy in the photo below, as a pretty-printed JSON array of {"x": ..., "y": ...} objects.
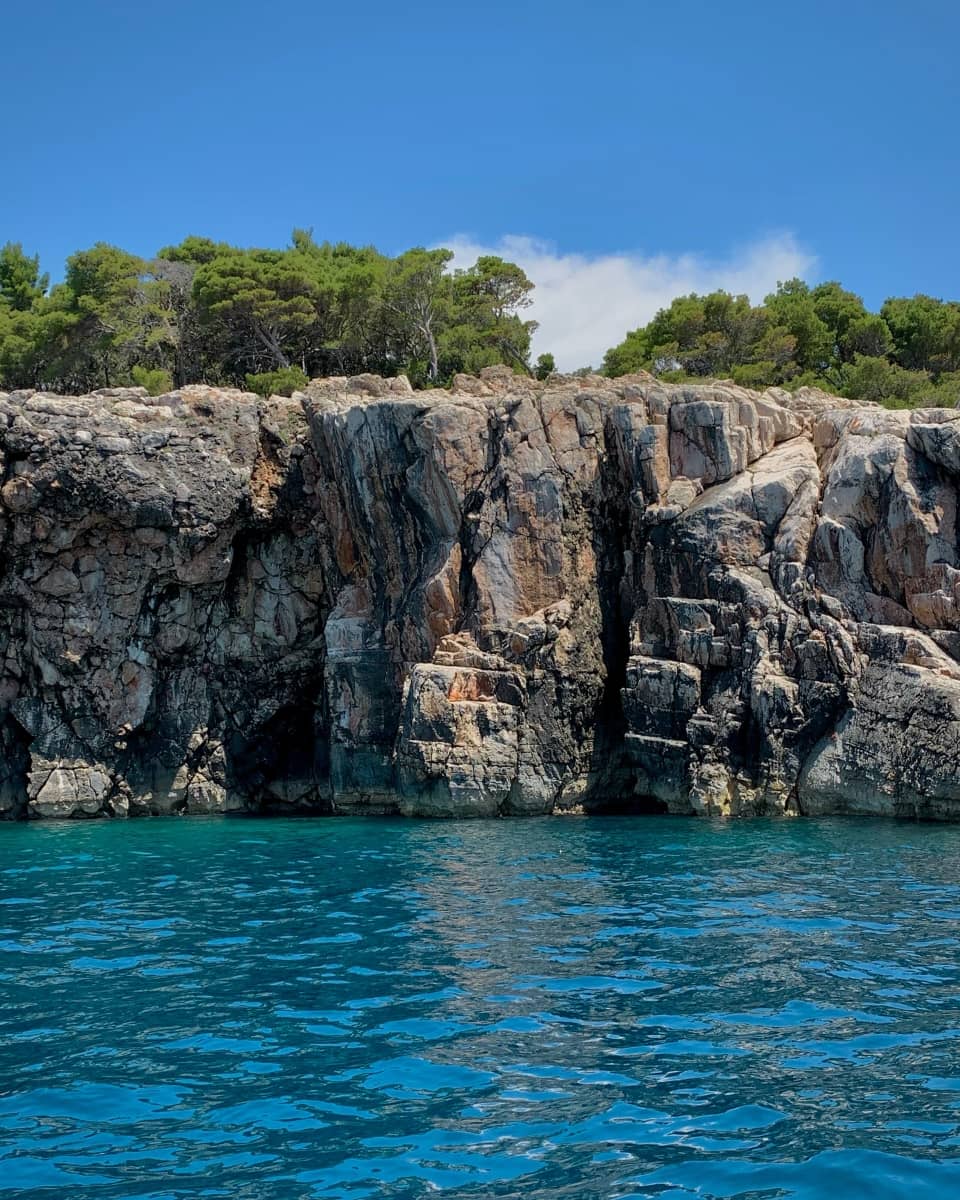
[
  {"x": 926, "y": 333},
  {"x": 417, "y": 295},
  {"x": 21, "y": 284},
  {"x": 259, "y": 304},
  {"x": 484, "y": 325},
  {"x": 203, "y": 310},
  {"x": 908, "y": 353},
  {"x": 838, "y": 309},
  {"x": 107, "y": 316},
  {"x": 207, "y": 311}
]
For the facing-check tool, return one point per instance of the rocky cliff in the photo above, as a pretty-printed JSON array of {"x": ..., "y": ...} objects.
[{"x": 508, "y": 598}]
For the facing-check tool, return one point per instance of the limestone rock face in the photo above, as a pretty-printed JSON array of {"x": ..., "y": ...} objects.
[{"x": 508, "y": 598}]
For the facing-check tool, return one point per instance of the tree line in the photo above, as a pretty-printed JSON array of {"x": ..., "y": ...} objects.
[
  {"x": 906, "y": 355},
  {"x": 205, "y": 311}
]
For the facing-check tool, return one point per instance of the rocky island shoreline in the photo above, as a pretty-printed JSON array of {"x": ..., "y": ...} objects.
[{"x": 508, "y": 598}]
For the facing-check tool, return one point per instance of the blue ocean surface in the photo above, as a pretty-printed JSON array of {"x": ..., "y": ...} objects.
[{"x": 645, "y": 1007}]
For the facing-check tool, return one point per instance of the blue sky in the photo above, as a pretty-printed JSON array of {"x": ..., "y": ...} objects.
[{"x": 636, "y": 147}]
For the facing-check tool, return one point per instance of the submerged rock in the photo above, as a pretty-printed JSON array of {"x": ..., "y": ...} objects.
[{"x": 509, "y": 598}]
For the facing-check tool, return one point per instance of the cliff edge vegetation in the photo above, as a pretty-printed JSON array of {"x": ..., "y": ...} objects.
[
  {"x": 268, "y": 319},
  {"x": 208, "y": 312}
]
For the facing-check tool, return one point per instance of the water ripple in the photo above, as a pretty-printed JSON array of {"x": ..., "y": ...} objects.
[{"x": 268, "y": 1010}]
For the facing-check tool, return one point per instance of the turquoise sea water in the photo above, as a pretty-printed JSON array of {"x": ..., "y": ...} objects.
[{"x": 277, "y": 1010}]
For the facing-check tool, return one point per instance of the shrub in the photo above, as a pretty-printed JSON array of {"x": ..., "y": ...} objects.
[
  {"x": 873, "y": 378},
  {"x": 282, "y": 382},
  {"x": 546, "y": 365},
  {"x": 757, "y": 375},
  {"x": 155, "y": 379}
]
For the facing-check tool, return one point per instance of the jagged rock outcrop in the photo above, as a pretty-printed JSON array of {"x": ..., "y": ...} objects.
[{"x": 508, "y": 598}]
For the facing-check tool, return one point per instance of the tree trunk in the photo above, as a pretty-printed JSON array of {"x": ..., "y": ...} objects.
[
  {"x": 511, "y": 352},
  {"x": 267, "y": 338},
  {"x": 434, "y": 359}
]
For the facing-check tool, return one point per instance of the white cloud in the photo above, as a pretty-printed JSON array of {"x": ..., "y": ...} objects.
[{"x": 585, "y": 304}]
